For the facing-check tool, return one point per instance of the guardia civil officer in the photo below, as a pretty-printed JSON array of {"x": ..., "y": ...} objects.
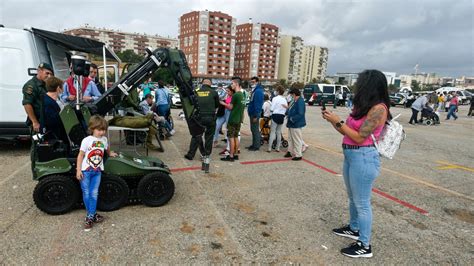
[
  {"x": 33, "y": 91},
  {"x": 208, "y": 101}
]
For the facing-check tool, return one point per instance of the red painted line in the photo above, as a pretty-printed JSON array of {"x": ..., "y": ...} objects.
[
  {"x": 320, "y": 167},
  {"x": 404, "y": 203},
  {"x": 266, "y": 161},
  {"x": 383, "y": 194},
  {"x": 185, "y": 169}
]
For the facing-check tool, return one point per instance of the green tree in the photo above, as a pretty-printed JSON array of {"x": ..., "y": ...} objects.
[
  {"x": 415, "y": 85},
  {"x": 163, "y": 74},
  {"x": 130, "y": 56},
  {"x": 283, "y": 82},
  {"x": 392, "y": 88},
  {"x": 297, "y": 85}
]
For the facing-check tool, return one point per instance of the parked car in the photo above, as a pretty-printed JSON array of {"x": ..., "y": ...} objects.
[
  {"x": 464, "y": 96},
  {"x": 399, "y": 99}
]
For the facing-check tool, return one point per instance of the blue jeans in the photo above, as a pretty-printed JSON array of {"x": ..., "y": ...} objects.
[
  {"x": 163, "y": 110},
  {"x": 220, "y": 121},
  {"x": 452, "y": 112},
  {"x": 90, "y": 190},
  {"x": 361, "y": 167}
]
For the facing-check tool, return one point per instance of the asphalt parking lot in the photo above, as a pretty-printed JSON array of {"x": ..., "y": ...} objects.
[{"x": 264, "y": 208}]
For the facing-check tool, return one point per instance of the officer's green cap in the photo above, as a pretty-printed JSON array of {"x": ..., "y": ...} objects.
[{"x": 46, "y": 66}]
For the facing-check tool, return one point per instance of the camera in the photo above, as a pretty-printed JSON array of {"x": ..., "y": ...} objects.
[{"x": 78, "y": 64}]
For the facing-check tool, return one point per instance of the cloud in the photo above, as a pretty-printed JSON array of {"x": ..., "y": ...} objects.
[{"x": 392, "y": 35}]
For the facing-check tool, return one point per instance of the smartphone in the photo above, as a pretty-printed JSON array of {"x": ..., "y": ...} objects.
[{"x": 323, "y": 104}]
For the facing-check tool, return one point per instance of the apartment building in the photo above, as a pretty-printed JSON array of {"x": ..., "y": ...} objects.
[
  {"x": 120, "y": 41},
  {"x": 314, "y": 63},
  {"x": 290, "y": 61},
  {"x": 257, "y": 51},
  {"x": 208, "y": 40}
]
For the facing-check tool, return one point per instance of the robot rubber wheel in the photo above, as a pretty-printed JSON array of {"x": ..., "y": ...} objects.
[
  {"x": 155, "y": 189},
  {"x": 56, "y": 194},
  {"x": 284, "y": 143},
  {"x": 113, "y": 193}
]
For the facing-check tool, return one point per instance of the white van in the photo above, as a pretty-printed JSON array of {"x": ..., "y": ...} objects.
[
  {"x": 464, "y": 97},
  {"x": 21, "y": 51}
]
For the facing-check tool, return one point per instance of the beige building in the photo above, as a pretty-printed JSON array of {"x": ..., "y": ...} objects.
[
  {"x": 422, "y": 79},
  {"x": 291, "y": 55},
  {"x": 120, "y": 41},
  {"x": 313, "y": 63},
  {"x": 207, "y": 38}
]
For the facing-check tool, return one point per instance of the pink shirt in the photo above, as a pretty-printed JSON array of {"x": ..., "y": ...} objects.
[
  {"x": 356, "y": 124},
  {"x": 454, "y": 101}
]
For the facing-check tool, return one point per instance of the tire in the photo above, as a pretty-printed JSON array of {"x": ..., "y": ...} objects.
[
  {"x": 56, "y": 194},
  {"x": 113, "y": 193},
  {"x": 284, "y": 143},
  {"x": 155, "y": 189},
  {"x": 428, "y": 122}
]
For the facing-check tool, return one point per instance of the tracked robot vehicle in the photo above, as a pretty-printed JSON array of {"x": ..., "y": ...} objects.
[{"x": 125, "y": 177}]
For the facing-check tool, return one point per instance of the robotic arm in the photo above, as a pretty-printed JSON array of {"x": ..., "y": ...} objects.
[{"x": 175, "y": 61}]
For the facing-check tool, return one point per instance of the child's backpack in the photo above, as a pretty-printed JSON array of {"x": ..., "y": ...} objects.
[{"x": 390, "y": 139}]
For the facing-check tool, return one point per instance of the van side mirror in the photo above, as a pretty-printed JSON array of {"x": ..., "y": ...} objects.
[{"x": 32, "y": 71}]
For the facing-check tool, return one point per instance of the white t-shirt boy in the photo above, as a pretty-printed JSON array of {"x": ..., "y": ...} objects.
[{"x": 94, "y": 149}]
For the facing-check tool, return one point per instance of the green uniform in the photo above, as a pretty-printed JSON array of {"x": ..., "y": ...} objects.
[
  {"x": 208, "y": 101},
  {"x": 33, "y": 91}
]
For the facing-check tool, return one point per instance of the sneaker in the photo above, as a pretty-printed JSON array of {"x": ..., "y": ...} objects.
[
  {"x": 228, "y": 158},
  {"x": 357, "y": 250},
  {"x": 304, "y": 148},
  {"x": 346, "y": 231},
  {"x": 296, "y": 158},
  {"x": 236, "y": 157},
  {"x": 172, "y": 132},
  {"x": 224, "y": 152},
  {"x": 98, "y": 218},
  {"x": 189, "y": 157},
  {"x": 88, "y": 224},
  {"x": 288, "y": 155}
]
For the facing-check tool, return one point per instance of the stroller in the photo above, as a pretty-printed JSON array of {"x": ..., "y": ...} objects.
[
  {"x": 265, "y": 127},
  {"x": 429, "y": 117}
]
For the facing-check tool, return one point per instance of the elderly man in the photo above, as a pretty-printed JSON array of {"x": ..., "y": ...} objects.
[{"x": 89, "y": 90}]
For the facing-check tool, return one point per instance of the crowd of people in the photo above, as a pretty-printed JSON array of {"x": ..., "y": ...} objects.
[
  {"x": 224, "y": 112},
  {"x": 431, "y": 106}
]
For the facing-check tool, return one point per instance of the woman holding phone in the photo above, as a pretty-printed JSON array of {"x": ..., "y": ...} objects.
[{"x": 361, "y": 158}]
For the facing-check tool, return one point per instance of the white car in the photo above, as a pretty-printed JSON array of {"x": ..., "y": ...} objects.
[{"x": 175, "y": 100}]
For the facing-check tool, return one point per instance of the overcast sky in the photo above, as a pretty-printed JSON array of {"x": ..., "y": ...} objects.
[{"x": 390, "y": 35}]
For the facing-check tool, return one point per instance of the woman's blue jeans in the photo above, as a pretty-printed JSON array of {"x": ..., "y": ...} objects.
[
  {"x": 220, "y": 121},
  {"x": 90, "y": 190},
  {"x": 163, "y": 110},
  {"x": 361, "y": 167}
]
